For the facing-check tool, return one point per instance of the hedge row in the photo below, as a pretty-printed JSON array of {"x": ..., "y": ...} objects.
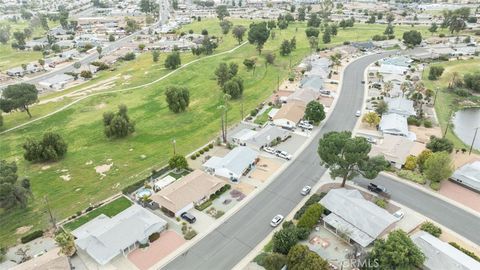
[
  {"x": 315, "y": 198},
  {"x": 466, "y": 251},
  {"x": 31, "y": 236}
]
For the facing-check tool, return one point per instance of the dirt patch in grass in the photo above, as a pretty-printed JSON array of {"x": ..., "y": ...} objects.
[
  {"x": 23, "y": 229},
  {"x": 103, "y": 169}
]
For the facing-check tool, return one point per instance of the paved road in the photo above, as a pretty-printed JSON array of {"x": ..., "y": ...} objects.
[{"x": 224, "y": 247}]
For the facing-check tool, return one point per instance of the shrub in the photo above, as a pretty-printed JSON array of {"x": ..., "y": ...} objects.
[
  {"x": 204, "y": 205},
  {"x": 201, "y": 151},
  {"x": 412, "y": 176},
  {"x": 303, "y": 233},
  {"x": 410, "y": 163},
  {"x": 193, "y": 157},
  {"x": 311, "y": 216},
  {"x": 253, "y": 112},
  {"x": 153, "y": 237},
  {"x": 440, "y": 144},
  {"x": 190, "y": 234},
  {"x": 427, "y": 123},
  {"x": 197, "y": 154},
  {"x": 315, "y": 198},
  {"x": 274, "y": 261},
  {"x": 210, "y": 146},
  {"x": 143, "y": 245},
  {"x": 466, "y": 251},
  {"x": 461, "y": 92},
  {"x": 381, "y": 202},
  {"x": 435, "y": 185},
  {"x": 131, "y": 188},
  {"x": 431, "y": 228},
  {"x": 206, "y": 149},
  {"x": 412, "y": 120},
  {"x": 31, "y": 236}
]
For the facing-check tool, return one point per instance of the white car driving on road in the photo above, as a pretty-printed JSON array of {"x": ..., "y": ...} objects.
[{"x": 276, "y": 220}]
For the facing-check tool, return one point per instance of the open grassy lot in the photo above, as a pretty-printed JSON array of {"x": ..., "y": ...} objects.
[
  {"x": 10, "y": 57},
  {"x": 447, "y": 101},
  {"x": 150, "y": 146},
  {"x": 110, "y": 210}
]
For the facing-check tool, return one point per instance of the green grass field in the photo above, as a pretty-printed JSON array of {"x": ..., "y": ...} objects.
[
  {"x": 110, "y": 210},
  {"x": 447, "y": 101},
  {"x": 10, "y": 57},
  {"x": 150, "y": 146}
]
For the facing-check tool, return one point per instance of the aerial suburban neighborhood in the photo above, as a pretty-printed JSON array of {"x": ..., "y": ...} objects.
[{"x": 240, "y": 134}]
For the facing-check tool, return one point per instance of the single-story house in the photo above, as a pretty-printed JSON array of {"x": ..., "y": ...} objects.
[
  {"x": 65, "y": 43},
  {"x": 304, "y": 95},
  {"x": 313, "y": 82},
  {"x": 290, "y": 114},
  {"x": 56, "y": 82},
  {"x": 233, "y": 165},
  {"x": 468, "y": 175},
  {"x": 400, "y": 106},
  {"x": 392, "y": 69},
  {"x": 188, "y": 191},
  {"x": 104, "y": 238},
  {"x": 41, "y": 42},
  {"x": 15, "y": 72},
  {"x": 394, "y": 124},
  {"x": 20, "y": 71},
  {"x": 66, "y": 55},
  {"x": 164, "y": 182},
  {"x": 442, "y": 255},
  {"x": 242, "y": 136},
  {"x": 363, "y": 46},
  {"x": 402, "y": 61},
  {"x": 50, "y": 260},
  {"x": 357, "y": 219},
  {"x": 387, "y": 43},
  {"x": 266, "y": 136},
  {"x": 395, "y": 149}
]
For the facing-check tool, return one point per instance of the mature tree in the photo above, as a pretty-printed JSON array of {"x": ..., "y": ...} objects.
[
  {"x": 271, "y": 24},
  {"x": 238, "y": 32},
  {"x": 284, "y": 240},
  {"x": 311, "y": 216},
  {"x": 397, "y": 252},
  {"x": 314, "y": 112},
  {"x": 389, "y": 30},
  {"x": 371, "y": 118},
  {"x": 372, "y": 19},
  {"x": 155, "y": 55},
  {"x": 285, "y": 48},
  {"x": 301, "y": 257},
  {"x": 249, "y": 63},
  {"x": 86, "y": 74},
  {"x": 270, "y": 58},
  {"x": 225, "y": 72},
  {"x": 63, "y": 17},
  {"x": 66, "y": 242},
  {"x": 283, "y": 24},
  {"x": 1, "y": 119},
  {"x": 222, "y": 12},
  {"x": 132, "y": 26},
  {"x": 456, "y": 19},
  {"x": 472, "y": 81},
  {"x": 312, "y": 32},
  {"x": 274, "y": 261},
  {"x": 52, "y": 147},
  {"x": 147, "y": 6},
  {"x": 435, "y": 72},
  {"x": 314, "y": 20},
  {"x": 12, "y": 193},
  {"x": 118, "y": 125},
  {"x": 20, "y": 38},
  {"x": 433, "y": 28},
  {"x": 301, "y": 14},
  {"x": 234, "y": 87},
  {"x": 4, "y": 33},
  {"x": 326, "y": 7},
  {"x": 178, "y": 162},
  {"x": 173, "y": 60},
  {"x": 347, "y": 157},
  {"x": 258, "y": 35},
  {"x": 18, "y": 97},
  {"x": 440, "y": 144},
  {"x": 438, "y": 166},
  {"x": 334, "y": 29},
  {"x": 226, "y": 26},
  {"x": 390, "y": 18},
  {"x": 412, "y": 38},
  {"x": 327, "y": 35},
  {"x": 429, "y": 227},
  {"x": 178, "y": 98}
]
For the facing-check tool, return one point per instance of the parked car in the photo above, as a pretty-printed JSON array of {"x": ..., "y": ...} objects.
[
  {"x": 283, "y": 154},
  {"x": 399, "y": 214},
  {"x": 305, "y": 125},
  {"x": 376, "y": 188},
  {"x": 276, "y": 220},
  {"x": 188, "y": 217},
  {"x": 269, "y": 150},
  {"x": 358, "y": 113},
  {"x": 306, "y": 190},
  {"x": 371, "y": 140}
]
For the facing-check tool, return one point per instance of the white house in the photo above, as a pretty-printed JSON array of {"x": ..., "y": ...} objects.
[
  {"x": 56, "y": 82},
  {"x": 394, "y": 124},
  {"x": 233, "y": 165},
  {"x": 400, "y": 106},
  {"x": 104, "y": 238},
  {"x": 468, "y": 175}
]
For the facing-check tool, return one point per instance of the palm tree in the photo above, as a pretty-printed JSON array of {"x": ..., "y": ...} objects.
[
  {"x": 387, "y": 87},
  {"x": 224, "y": 108},
  {"x": 66, "y": 243},
  {"x": 405, "y": 86}
]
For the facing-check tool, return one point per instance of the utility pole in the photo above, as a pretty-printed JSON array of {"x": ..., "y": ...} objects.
[
  {"x": 473, "y": 141},
  {"x": 174, "y": 142},
  {"x": 448, "y": 123},
  {"x": 49, "y": 210}
]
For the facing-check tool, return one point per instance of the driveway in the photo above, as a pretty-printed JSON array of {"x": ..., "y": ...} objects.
[{"x": 168, "y": 242}]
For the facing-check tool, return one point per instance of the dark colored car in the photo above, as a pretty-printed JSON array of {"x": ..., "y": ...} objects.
[
  {"x": 188, "y": 217},
  {"x": 376, "y": 188}
]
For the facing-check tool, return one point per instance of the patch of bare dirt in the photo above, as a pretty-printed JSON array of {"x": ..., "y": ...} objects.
[{"x": 23, "y": 229}]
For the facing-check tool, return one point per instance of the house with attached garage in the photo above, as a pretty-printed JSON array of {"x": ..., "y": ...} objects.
[
  {"x": 187, "y": 192},
  {"x": 290, "y": 114},
  {"x": 104, "y": 238},
  {"x": 56, "y": 82},
  {"x": 394, "y": 124},
  {"x": 233, "y": 165},
  {"x": 400, "y": 106}
]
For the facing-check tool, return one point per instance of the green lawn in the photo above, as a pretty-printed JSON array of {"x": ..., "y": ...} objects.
[
  {"x": 10, "y": 57},
  {"x": 263, "y": 118},
  {"x": 149, "y": 147},
  {"x": 447, "y": 101},
  {"x": 110, "y": 210}
]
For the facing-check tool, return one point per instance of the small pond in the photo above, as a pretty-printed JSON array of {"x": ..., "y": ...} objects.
[{"x": 465, "y": 121}]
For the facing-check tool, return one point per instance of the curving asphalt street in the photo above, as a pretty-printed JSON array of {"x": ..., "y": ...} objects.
[{"x": 224, "y": 247}]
